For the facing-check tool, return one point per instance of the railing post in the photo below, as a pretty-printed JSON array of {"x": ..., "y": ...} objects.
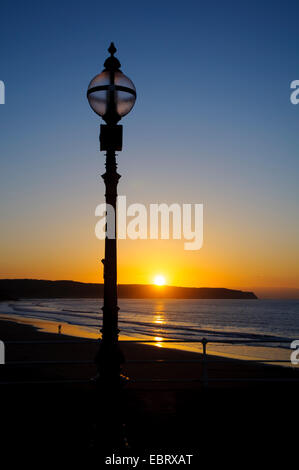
[{"x": 204, "y": 343}]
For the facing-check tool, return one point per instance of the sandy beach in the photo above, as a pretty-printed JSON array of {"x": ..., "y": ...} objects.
[
  {"x": 178, "y": 415},
  {"x": 176, "y": 363}
]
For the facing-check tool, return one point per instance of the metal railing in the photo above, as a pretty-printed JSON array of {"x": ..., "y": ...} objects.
[{"x": 205, "y": 359}]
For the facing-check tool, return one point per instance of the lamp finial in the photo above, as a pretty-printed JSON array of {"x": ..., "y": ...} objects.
[
  {"x": 112, "y": 49},
  {"x": 112, "y": 63}
]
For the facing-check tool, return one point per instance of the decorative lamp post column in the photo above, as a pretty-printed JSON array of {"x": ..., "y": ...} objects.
[{"x": 111, "y": 95}]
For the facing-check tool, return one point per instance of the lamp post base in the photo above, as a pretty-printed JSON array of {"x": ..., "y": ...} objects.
[{"x": 109, "y": 384}]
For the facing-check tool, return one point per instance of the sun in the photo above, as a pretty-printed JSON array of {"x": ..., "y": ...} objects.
[{"x": 159, "y": 280}]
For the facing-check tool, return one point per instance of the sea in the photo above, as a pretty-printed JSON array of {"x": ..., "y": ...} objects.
[{"x": 260, "y": 330}]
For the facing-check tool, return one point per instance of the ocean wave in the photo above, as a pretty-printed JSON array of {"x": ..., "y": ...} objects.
[{"x": 137, "y": 319}]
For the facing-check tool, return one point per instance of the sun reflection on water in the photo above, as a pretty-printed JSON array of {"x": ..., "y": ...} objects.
[
  {"x": 159, "y": 313},
  {"x": 159, "y": 320},
  {"x": 159, "y": 341}
]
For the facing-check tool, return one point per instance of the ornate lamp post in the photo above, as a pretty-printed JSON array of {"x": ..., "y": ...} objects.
[{"x": 111, "y": 95}]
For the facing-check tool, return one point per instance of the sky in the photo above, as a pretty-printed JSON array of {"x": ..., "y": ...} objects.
[{"x": 212, "y": 124}]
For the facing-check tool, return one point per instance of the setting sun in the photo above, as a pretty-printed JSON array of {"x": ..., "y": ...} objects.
[{"x": 159, "y": 280}]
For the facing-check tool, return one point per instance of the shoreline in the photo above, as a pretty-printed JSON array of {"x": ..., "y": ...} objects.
[
  {"x": 241, "y": 352},
  {"x": 176, "y": 365}
]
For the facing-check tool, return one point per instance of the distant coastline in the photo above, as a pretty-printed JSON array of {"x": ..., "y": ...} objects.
[{"x": 12, "y": 289}]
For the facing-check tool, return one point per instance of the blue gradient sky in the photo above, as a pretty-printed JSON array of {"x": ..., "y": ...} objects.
[{"x": 213, "y": 123}]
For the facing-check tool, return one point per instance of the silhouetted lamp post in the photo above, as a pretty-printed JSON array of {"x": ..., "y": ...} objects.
[{"x": 111, "y": 95}]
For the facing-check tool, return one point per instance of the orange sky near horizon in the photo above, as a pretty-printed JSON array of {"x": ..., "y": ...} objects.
[
  {"x": 220, "y": 262},
  {"x": 242, "y": 249}
]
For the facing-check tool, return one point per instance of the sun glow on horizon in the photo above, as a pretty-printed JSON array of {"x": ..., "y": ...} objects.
[{"x": 159, "y": 280}]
